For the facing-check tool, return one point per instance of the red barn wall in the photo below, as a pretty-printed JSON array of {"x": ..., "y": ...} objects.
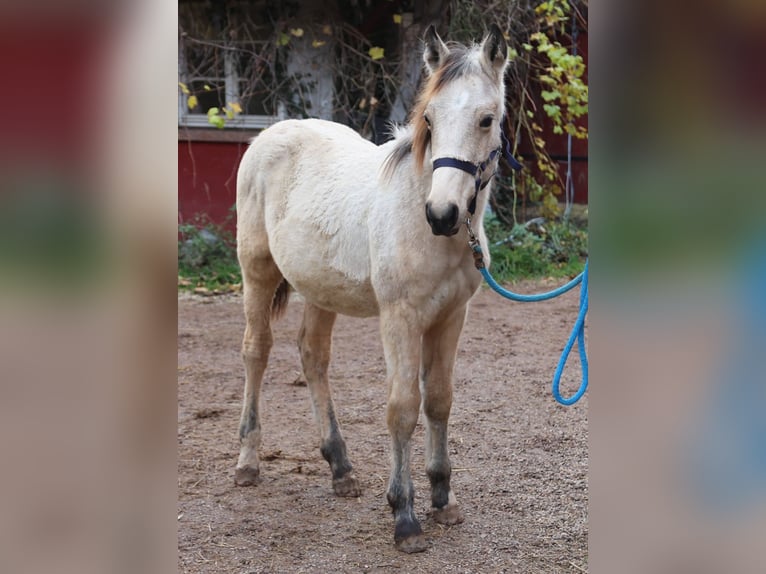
[{"x": 207, "y": 179}]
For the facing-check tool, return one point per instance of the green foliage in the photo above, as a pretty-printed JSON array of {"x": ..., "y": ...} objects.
[
  {"x": 207, "y": 258},
  {"x": 539, "y": 248},
  {"x": 216, "y": 117},
  {"x": 541, "y": 62}
]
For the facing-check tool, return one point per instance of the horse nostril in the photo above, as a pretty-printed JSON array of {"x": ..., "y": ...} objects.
[
  {"x": 429, "y": 213},
  {"x": 442, "y": 224},
  {"x": 451, "y": 218}
]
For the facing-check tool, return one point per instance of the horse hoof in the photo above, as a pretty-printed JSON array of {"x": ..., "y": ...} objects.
[
  {"x": 412, "y": 544},
  {"x": 449, "y": 515},
  {"x": 346, "y": 486},
  {"x": 246, "y": 476}
]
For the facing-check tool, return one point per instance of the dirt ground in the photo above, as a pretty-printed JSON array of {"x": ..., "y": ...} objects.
[{"x": 520, "y": 460}]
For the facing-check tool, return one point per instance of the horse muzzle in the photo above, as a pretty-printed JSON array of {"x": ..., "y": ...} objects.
[{"x": 443, "y": 223}]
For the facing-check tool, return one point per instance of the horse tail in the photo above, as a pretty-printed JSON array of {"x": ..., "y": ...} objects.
[{"x": 281, "y": 298}]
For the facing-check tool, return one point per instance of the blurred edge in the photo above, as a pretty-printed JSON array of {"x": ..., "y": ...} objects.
[
  {"x": 88, "y": 217},
  {"x": 678, "y": 248}
]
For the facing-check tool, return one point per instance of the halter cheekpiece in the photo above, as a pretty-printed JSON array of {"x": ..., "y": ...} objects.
[{"x": 477, "y": 170}]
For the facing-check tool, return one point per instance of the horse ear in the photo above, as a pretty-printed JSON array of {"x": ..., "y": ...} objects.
[
  {"x": 495, "y": 50},
  {"x": 435, "y": 50}
]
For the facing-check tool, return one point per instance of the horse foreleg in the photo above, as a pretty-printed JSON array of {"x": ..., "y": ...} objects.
[
  {"x": 314, "y": 342},
  {"x": 401, "y": 344},
  {"x": 260, "y": 280},
  {"x": 439, "y": 349}
]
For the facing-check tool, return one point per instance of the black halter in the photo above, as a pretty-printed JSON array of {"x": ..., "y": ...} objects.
[{"x": 477, "y": 170}]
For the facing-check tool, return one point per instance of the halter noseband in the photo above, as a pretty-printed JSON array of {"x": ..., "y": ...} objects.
[{"x": 477, "y": 170}]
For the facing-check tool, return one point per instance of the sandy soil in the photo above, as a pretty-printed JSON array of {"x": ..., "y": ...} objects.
[{"x": 520, "y": 460}]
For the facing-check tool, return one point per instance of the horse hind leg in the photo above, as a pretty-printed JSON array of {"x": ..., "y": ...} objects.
[
  {"x": 314, "y": 342},
  {"x": 439, "y": 348},
  {"x": 265, "y": 293}
]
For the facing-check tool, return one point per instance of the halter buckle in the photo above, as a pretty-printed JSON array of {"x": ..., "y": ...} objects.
[{"x": 475, "y": 245}]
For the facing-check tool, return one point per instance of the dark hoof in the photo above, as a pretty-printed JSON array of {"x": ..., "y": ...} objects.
[
  {"x": 408, "y": 536},
  {"x": 346, "y": 486},
  {"x": 412, "y": 544},
  {"x": 448, "y": 515},
  {"x": 246, "y": 476}
]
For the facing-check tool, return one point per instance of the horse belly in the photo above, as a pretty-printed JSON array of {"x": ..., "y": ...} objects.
[
  {"x": 335, "y": 292},
  {"x": 332, "y": 276}
]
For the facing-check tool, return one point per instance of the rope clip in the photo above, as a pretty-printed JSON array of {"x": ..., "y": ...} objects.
[{"x": 473, "y": 243}]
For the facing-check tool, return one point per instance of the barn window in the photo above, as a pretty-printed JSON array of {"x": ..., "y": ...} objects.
[{"x": 225, "y": 57}]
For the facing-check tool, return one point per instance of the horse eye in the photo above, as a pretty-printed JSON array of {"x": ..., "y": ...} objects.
[{"x": 486, "y": 121}]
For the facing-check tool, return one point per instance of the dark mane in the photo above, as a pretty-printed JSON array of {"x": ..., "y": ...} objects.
[{"x": 417, "y": 136}]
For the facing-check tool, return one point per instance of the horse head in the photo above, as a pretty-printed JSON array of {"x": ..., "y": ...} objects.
[{"x": 458, "y": 119}]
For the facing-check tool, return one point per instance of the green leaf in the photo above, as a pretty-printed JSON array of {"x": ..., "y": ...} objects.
[
  {"x": 217, "y": 121},
  {"x": 213, "y": 112},
  {"x": 550, "y": 96},
  {"x": 192, "y": 102},
  {"x": 184, "y": 88},
  {"x": 376, "y": 52},
  {"x": 283, "y": 39}
]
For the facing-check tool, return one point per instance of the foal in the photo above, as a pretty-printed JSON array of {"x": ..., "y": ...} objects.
[{"x": 366, "y": 230}]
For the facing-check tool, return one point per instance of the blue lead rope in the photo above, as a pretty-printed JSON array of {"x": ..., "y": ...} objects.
[{"x": 578, "y": 331}]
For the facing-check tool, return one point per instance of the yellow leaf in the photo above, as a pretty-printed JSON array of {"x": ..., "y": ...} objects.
[
  {"x": 192, "y": 102},
  {"x": 373, "y": 101},
  {"x": 283, "y": 39},
  {"x": 183, "y": 87},
  {"x": 318, "y": 43},
  {"x": 207, "y": 88},
  {"x": 327, "y": 30},
  {"x": 235, "y": 107},
  {"x": 397, "y": 18},
  {"x": 376, "y": 52},
  {"x": 297, "y": 32},
  {"x": 229, "y": 113}
]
